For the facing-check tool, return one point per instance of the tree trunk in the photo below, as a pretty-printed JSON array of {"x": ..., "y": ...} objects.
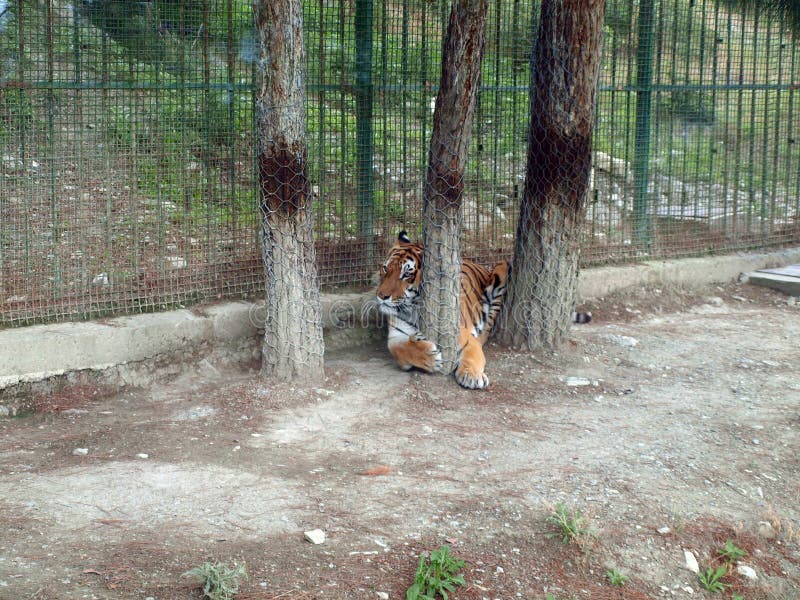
[
  {"x": 444, "y": 184},
  {"x": 541, "y": 293},
  {"x": 293, "y": 345}
]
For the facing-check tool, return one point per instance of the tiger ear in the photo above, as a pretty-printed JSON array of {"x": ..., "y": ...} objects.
[{"x": 403, "y": 237}]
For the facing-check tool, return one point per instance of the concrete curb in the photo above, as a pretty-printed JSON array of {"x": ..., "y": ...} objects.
[{"x": 39, "y": 352}]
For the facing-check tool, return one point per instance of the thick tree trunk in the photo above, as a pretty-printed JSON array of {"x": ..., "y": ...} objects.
[
  {"x": 293, "y": 345},
  {"x": 444, "y": 184},
  {"x": 541, "y": 294}
]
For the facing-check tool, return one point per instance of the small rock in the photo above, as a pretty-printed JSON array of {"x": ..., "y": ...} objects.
[
  {"x": 663, "y": 530},
  {"x": 80, "y": 451},
  {"x": 691, "y": 562},
  {"x": 747, "y": 571},
  {"x": 323, "y": 392},
  {"x": 714, "y": 301},
  {"x": 766, "y": 530},
  {"x": 688, "y": 589},
  {"x": 100, "y": 279},
  {"x": 499, "y": 570},
  {"x": 142, "y": 455},
  {"x": 622, "y": 340},
  {"x": 577, "y": 381},
  {"x": 315, "y": 536},
  {"x": 382, "y": 595},
  {"x": 176, "y": 262}
]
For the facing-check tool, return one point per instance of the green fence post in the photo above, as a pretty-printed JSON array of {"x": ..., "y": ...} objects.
[
  {"x": 644, "y": 97},
  {"x": 364, "y": 138}
]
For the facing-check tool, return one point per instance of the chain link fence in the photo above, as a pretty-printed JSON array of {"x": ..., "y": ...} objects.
[{"x": 128, "y": 176}]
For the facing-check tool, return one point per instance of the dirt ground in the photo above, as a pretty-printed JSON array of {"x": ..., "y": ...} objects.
[{"x": 670, "y": 410}]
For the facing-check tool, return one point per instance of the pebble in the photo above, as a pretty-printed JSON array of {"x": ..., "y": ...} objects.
[
  {"x": 688, "y": 589},
  {"x": 663, "y": 530},
  {"x": 622, "y": 340},
  {"x": 382, "y": 595},
  {"x": 80, "y": 451},
  {"x": 691, "y": 562},
  {"x": 142, "y": 455},
  {"x": 315, "y": 536},
  {"x": 765, "y": 530},
  {"x": 577, "y": 381},
  {"x": 747, "y": 571}
]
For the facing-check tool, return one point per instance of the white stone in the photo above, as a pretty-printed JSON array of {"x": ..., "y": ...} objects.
[
  {"x": 80, "y": 451},
  {"x": 577, "y": 381},
  {"x": 142, "y": 455},
  {"x": 663, "y": 530},
  {"x": 622, "y": 340},
  {"x": 688, "y": 589},
  {"x": 691, "y": 562},
  {"x": 315, "y": 536},
  {"x": 747, "y": 571},
  {"x": 176, "y": 262},
  {"x": 382, "y": 595}
]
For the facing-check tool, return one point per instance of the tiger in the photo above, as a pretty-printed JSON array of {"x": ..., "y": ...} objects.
[{"x": 398, "y": 297}]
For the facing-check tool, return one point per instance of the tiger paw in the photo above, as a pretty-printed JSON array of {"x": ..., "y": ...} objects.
[
  {"x": 433, "y": 357},
  {"x": 471, "y": 380}
]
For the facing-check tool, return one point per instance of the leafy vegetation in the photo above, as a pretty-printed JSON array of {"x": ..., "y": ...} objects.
[
  {"x": 571, "y": 525},
  {"x": 437, "y": 575},
  {"x": 730, "y": 552},
  {"x": 615, "y": 577},
  {"x": 711, "y": 579},
  {"x": 219, "y": 581}
]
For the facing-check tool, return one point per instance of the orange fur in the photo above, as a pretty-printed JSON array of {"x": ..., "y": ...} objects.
[{"x": 482, "y": 294}]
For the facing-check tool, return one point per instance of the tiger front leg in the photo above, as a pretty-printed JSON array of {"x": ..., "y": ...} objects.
[
  {"x": 471, "y": 364},
  {"x": 410, "y": 348}
]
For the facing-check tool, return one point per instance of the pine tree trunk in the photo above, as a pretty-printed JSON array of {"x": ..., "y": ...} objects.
[
  {"x": 293, "y": 345},
  {"x": 444, "y": 184},
  {"x": 541, "y": 294}
]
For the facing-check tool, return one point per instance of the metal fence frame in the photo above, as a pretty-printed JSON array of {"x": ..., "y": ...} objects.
[{"x": 127, "y": 180}]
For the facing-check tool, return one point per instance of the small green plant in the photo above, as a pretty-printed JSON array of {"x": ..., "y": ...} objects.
[
  {"x": 436, "y": 574},
  {"x": 219, "y": 581},
  {"x": 737, "y": 597},
  {"x": 711, "y": 579},
  {"x": 730, "y": 552},
  {"x": 572, "y": 526},
  {"x": 615, "y": 577}
]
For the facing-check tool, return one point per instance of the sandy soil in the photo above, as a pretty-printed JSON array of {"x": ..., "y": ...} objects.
[{"x": 688, "y": 419}]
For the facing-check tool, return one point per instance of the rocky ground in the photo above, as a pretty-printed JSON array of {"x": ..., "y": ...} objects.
[{"x": 671, "y": 422}]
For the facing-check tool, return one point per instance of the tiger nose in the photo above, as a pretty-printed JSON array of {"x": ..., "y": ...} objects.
[{"x": 383, "y": 296}]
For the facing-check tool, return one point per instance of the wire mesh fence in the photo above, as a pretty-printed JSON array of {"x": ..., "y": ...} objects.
[{"x": 128, "y": 179}]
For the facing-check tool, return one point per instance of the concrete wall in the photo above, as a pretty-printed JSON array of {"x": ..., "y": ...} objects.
[{"x": 40, "y": 352}]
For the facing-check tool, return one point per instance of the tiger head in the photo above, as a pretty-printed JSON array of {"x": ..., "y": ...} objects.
[{"x": 401, "y": 275}]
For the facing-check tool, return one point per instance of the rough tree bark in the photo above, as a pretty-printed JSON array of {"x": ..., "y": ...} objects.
[
  {"x": 565, "y": 66},
  {"x": 444, "y": 184},
  {"x": 293, "y": 345}
]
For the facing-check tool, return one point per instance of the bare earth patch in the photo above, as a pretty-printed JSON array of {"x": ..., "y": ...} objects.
[{"x": 688, "y": 419}]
